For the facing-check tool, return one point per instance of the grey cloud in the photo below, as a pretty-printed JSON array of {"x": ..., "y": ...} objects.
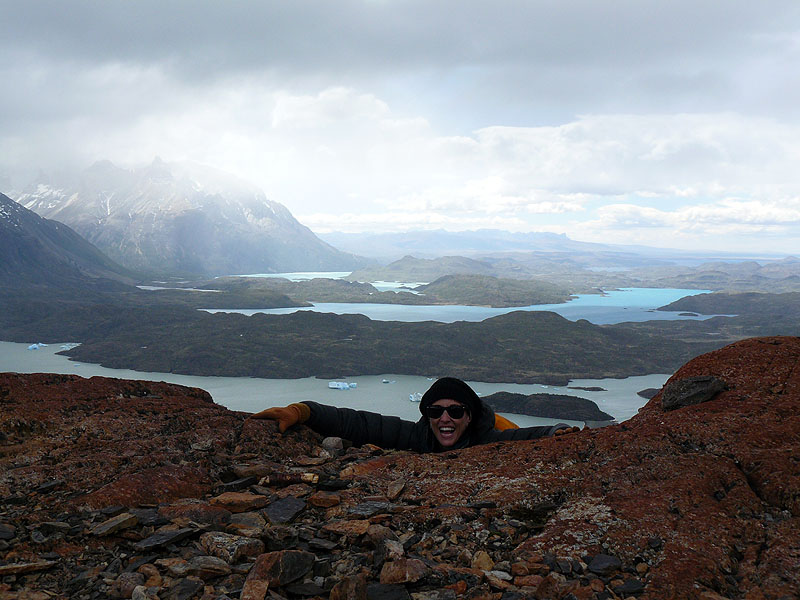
[
  {"x": 461, "y": 65},
  {"x": 210, "y": 37}
]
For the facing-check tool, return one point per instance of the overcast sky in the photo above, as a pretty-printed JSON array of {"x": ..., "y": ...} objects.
[{"x": 671, "y": 123}]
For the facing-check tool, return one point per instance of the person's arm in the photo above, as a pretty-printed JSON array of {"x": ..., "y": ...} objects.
[
  {"x": 528, "y": 433},
  {"x": 358, "y": 426},
  {"x": 364, "y": 427}
]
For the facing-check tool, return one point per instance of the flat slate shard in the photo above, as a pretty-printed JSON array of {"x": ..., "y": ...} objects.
[
  {"x": 369, "y": 509},
  {"x": 164, "y": 538},
  {"x": 285, "y": 509},
  {"x": 27, "y": 567},
  {"x": 115, "y": 524},
  {"x": 691, "y": 390}
]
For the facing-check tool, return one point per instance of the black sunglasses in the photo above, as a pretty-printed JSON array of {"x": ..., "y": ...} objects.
[{"x": 456, "y": 411}]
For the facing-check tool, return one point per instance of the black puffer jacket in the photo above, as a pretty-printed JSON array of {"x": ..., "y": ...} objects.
[{"x": 364, "y": 427}]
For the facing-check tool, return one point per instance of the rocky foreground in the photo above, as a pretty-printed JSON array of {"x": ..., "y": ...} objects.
[{"x": 129, "y": 489}]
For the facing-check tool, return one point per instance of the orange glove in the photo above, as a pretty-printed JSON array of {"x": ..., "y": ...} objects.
[
  {"x": 566, "y": 430},
  {"x": 285, "y": 416}
]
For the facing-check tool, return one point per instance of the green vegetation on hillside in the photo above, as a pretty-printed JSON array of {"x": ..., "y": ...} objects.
[{"x": 483, "y": 290}]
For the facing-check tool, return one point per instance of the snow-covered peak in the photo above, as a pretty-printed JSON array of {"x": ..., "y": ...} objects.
[
  {"x": 180, "y": 217},
  {"x": 10, "y": 211}
]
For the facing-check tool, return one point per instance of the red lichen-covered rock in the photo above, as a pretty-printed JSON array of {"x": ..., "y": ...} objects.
[
  {"x": 699, "y": 500},
  {"x": 403, "y": 570},
  {"x": 353, "y": 528},
  {"x": 705, "y": 494},
  {"x": 108, "y": 442}
]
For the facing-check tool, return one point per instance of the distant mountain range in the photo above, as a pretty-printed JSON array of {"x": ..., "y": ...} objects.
[
  {"x": 41, "y": 252},
  {"x": 183, "y": 219},
  {"x": 432, "y": 244},
  {"x": 529, "y": 247}
]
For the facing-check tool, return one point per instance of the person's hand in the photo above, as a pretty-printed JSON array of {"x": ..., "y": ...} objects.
[
  {"x": 566, "y": 430},
  {"x": 286, "y": 416}
]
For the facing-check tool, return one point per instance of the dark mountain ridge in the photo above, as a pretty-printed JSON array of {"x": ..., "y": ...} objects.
[{"x": 38, "y": 251}]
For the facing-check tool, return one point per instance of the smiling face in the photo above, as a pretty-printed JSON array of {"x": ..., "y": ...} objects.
[{"x": 446, "y": 429}]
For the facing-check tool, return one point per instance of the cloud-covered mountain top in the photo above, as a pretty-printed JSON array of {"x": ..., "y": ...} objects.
[{"x": 181, "y": 218}]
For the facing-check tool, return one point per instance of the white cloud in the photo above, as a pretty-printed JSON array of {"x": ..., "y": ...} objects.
[
  {"x": 342, "y": 152},
  {"x": 613, "y": 121},
  {"x": 732, "y": 224},
  {"x": 392, "y": 221}
]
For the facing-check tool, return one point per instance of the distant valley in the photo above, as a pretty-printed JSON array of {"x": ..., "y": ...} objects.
[{"x": 569, "y": 272}]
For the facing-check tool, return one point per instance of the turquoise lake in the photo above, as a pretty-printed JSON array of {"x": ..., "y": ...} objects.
[{"x": 615, "y": 306}]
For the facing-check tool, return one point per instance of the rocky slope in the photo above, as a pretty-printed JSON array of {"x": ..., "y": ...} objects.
[
  {"x": 128, "y": 489},
  {"x": 179, "y": 218}
]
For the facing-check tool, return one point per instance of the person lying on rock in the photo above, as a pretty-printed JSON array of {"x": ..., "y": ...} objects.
[{"x": 453, "y": 416}]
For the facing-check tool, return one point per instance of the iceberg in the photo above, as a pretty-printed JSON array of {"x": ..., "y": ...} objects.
[
  {"x": 36, "y": 346},
  {"x": 341, "y": 385},
  {"x": 415, "y": 397}
]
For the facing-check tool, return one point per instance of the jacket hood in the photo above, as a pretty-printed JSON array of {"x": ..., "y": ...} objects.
[{"x": 453, "y": 389}]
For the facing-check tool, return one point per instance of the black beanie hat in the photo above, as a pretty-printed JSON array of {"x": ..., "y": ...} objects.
[{"x": 452, "y": 389}]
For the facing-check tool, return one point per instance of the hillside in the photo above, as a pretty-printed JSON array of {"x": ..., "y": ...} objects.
[
  {"x": 583, "y": 272},
  {"x": 519, "y": 347},
  {"x": 773, "y": 276},
  {"x": 40, "y": 252},
  {"x": 549, "y": 406},
  {"x": 697, "y": 502},
  {"x": 410, "y": 269},
  {"x": 183, "y": 219},
  {"x": 474, "y": 290},
  {"x": 482, "y": 290}
]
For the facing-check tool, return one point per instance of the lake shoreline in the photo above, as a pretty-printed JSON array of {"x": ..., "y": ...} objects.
[
  {"x": 610, "y": 307},
  {"x": 618, "y": 396}
]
